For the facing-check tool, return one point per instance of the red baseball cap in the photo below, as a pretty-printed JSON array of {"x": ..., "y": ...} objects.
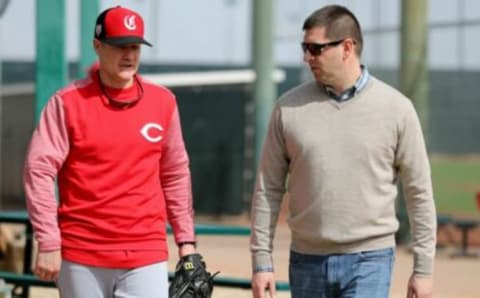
[{"x": 119, "y": 26}]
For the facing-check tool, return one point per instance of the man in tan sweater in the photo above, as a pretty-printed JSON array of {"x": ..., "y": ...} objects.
[{"x": 344, "y": 140}]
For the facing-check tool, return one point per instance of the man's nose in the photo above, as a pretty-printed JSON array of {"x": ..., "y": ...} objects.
[
  {"x": 307, "y": 57},
  {"x": 130, "y": 51}
]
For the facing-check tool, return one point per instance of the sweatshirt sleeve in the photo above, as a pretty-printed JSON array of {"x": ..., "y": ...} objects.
[
  {"x": 46, "y": 153},
  {"x": 414, "y": 167},
  {"x": 268, "y": 194},
  {"x": 176, "y": 183}
]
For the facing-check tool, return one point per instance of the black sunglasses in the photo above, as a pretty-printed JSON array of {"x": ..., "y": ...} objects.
[{"x": 316, "y": 49}]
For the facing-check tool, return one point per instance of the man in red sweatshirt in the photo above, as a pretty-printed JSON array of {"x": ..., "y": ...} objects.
[{"x": 113, "y": 143}]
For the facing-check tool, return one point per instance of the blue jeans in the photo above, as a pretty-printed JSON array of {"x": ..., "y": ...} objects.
[{"x": 359, "y": 275}]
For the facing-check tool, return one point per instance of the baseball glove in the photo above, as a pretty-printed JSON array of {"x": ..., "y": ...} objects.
[{"x": 191, "y": 279}]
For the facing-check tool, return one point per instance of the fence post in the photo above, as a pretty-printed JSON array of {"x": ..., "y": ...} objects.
[
  {"x": 51, "y": 65},
  {"x": 413, "y": 79}
]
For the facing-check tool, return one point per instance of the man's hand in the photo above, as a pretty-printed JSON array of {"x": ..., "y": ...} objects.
[
  {"x": 420, "y": 287},
  {"x": 261, "y": 281},
  {"x": 47, "y": 265},
  {"x": 186, "y": 249}
]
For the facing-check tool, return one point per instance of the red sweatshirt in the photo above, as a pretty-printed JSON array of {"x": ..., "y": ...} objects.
[{"x": 120, "y": 172}]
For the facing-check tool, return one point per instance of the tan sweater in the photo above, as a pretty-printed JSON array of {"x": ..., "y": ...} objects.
[{"x": 343, "y": 161}]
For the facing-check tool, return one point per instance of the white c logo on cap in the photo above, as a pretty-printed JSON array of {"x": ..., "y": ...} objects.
[
  {"x": 129, "y": 22},
  {"x": 148, "y": 129}
]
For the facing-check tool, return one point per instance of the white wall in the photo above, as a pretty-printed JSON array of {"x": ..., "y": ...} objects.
[
  {"x": 17, "y": 31},
  {"x": 218, "y": 31}
]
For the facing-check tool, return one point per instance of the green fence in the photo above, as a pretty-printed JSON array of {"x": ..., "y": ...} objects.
[{"x": 213, "y": 123}]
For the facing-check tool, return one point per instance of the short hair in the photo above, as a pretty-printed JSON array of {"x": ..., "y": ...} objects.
[{"x": 339, "y": 23}]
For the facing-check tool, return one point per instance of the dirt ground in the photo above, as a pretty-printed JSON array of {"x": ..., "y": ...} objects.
[{"x": 454, "y": 277}]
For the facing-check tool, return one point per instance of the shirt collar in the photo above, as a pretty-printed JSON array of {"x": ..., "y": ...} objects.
[{"x": 352, "y": 91}]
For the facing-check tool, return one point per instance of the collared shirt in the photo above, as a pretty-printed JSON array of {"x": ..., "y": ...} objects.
[{"x": 352, "y": 91}]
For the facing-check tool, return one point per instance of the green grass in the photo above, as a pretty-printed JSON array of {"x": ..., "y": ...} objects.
[{"x": 455, "y": 183}]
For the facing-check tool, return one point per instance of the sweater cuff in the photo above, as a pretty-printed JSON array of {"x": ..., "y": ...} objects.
[
  {"x": 262, "y": 262},
  {"x": 423, "y": 265},
  {"x": 49, "y": 246}
]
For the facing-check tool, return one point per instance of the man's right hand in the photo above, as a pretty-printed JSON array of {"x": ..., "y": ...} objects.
[
  {"x": 262, "y": 281},
  {"x": 47, "y": 265}
]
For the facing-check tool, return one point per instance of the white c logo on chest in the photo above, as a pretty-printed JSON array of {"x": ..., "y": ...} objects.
[{"x": 152, "y": 132}]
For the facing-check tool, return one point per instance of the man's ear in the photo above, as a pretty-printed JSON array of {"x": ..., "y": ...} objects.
[
  {"x": 96, "y": 45},
  {"x": 348, "y": 48}
]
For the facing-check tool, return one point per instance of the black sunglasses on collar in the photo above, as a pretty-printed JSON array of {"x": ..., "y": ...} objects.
[{"x": 316, "y": 49}]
